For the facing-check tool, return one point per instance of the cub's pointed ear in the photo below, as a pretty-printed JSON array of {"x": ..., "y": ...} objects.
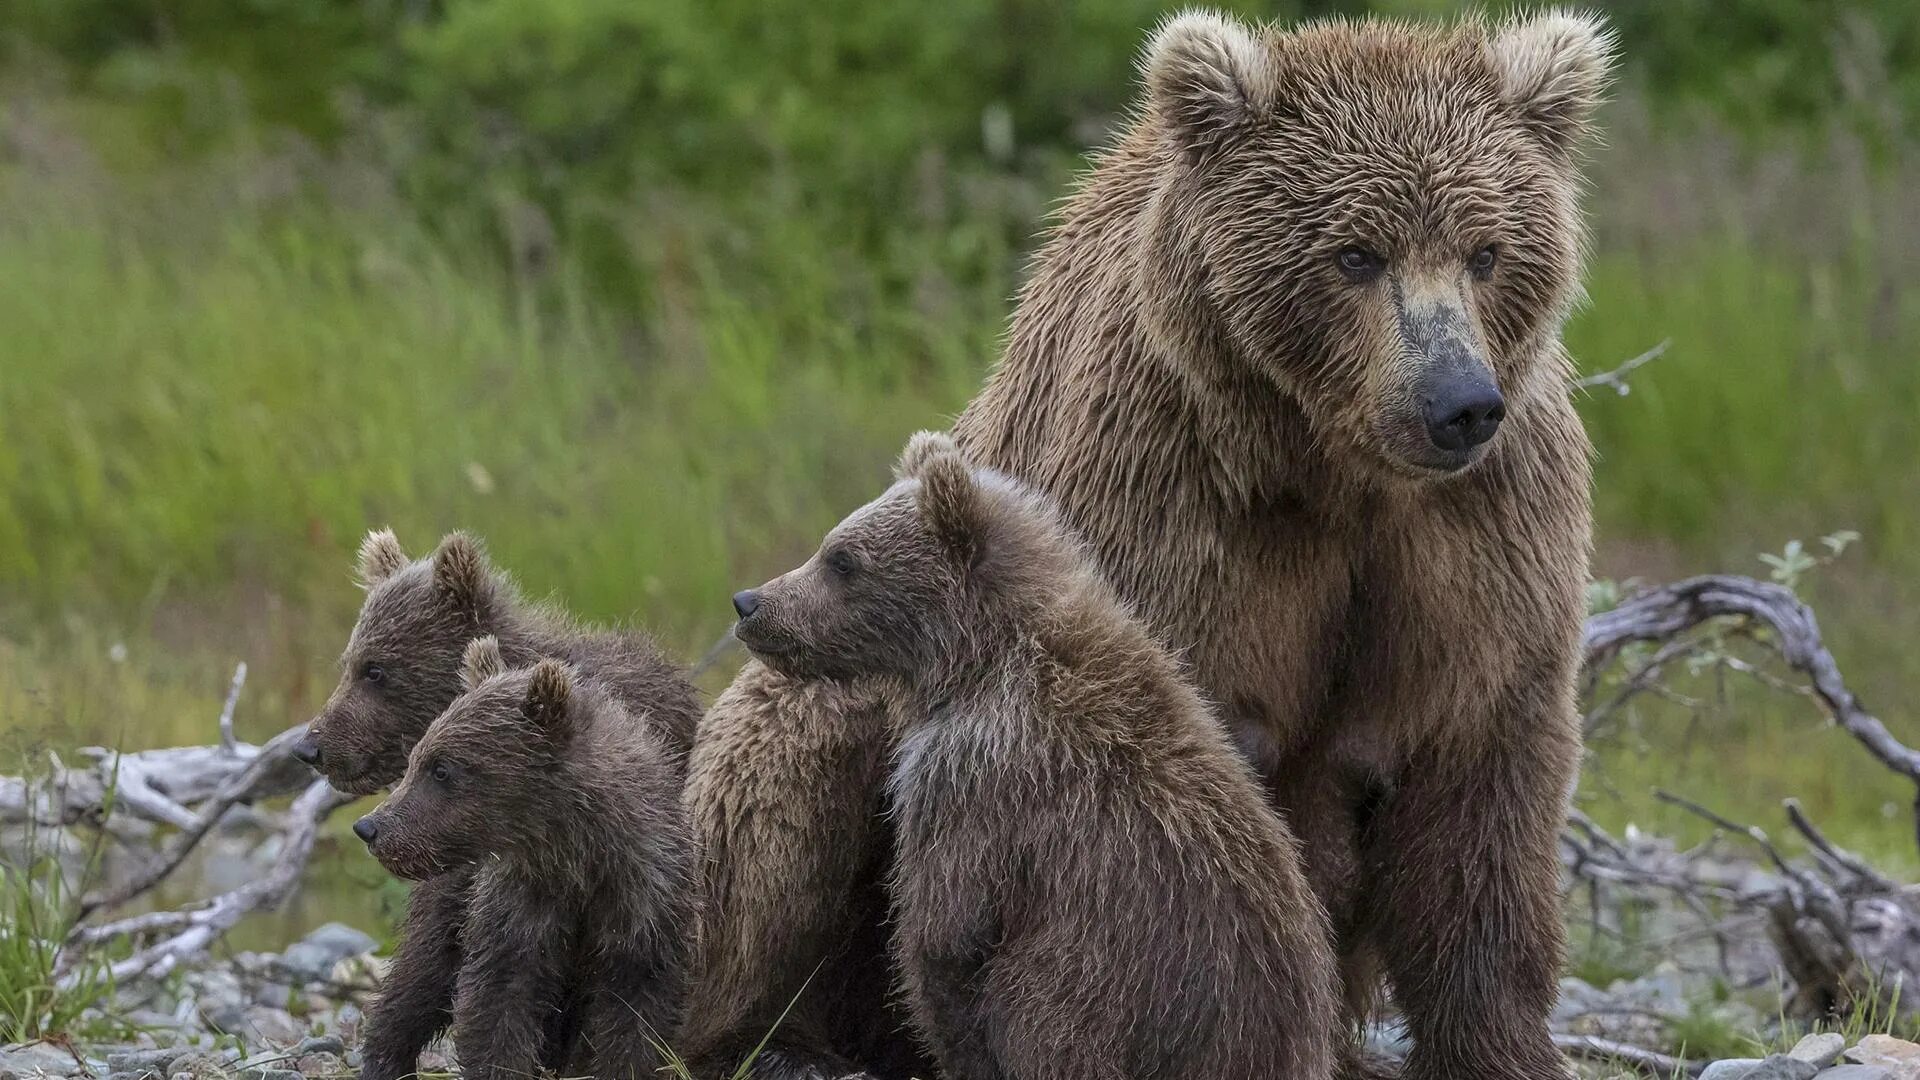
[
  {"x": 380, "y": 558},
  {"x": 1553, "y": 69},
  {"x": 548, "y": 692},
  {"x": 923, "y": 446},
  {"x": 481, "y": 662},
  {"x": 461, "y": 573},
  {"x": 950, "y": 501},
  {"x": 1209, "y": 79}
]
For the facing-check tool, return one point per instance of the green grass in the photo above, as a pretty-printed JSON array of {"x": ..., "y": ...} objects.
[{"x": 39, "y": 905}]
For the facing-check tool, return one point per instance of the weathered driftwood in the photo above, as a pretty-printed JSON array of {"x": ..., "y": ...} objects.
[{"x": 191, "y": 931}]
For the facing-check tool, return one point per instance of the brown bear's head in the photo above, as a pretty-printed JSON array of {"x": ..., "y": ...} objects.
[
  {"x": 1380, "y": 218},
  {"x": 479, "y": 781},
  {"x": 927, "y": 574},
  {"x": 401, "y": 667}
]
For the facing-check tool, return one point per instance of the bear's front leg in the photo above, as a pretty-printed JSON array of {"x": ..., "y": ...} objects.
[
  {"x": 635, "y": 1010},
  {"x": 510, "y": 982},
  {"x": 416, "y": 1003},
  {"x": 1463, "y": 865}
]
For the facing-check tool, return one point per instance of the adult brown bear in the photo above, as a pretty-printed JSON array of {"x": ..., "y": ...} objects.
[{"x": 1290, "y": 363}]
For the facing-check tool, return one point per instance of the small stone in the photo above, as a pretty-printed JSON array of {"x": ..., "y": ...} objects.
[
  {"x": 272, "y": 995},
  {"x": 142, "y": 1063},
  {"x": 1730, "y": 1069},
  {"x": 1856, "y": 1072},
  {"x": 259, "y": 1073},
  {"x": 347, "y": 1022},
  {"x": 1782, "y": 1067},
  {"x": 320, "y": 1065},
  {"x": 272, "y": 1027},
  {"x": 37, "y": 1059},
  {"x": 319, "y": 1044},
  {"x": 1897, "y": 1056},
  {"x": 196, "y": 1066},
  {"x": 1821, "y": 1049},
  {"x": 313, "y": 957}
]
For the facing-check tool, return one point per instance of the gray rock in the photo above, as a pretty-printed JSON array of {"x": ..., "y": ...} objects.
[
  {"x": 1856, "y": 1072},
  {"x": 1783, "y": 1067},
  {"x": 136, "y": 1064},
  {"x": 1821, "y": 1049},
  {"x": 321, "y": 1065},
  {"x": 319, "y": 1044},
  {"x": 271, "y": 1027},
  {"x": 197, "y": 1066},
  {"x": 272, "y": 995},
  {"x": 262, "y": 1073},
  {"x": 1730, "y": 1069},
  {"x": 347, "y": 1022},
  {"x": 37, "y": 1059},
  {"x": 1898, "y": 1056},
  {"x": 312, "y": 958}
]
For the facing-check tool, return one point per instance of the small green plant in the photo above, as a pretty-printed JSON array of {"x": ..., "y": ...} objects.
[
  {"x": 1795, "y": 561},
  {"x": 38, "y": 909}
]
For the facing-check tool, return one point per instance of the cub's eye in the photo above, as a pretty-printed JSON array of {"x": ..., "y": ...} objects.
[
  {"x": 440, "y": 773},
  {"x": 1359, "y": 264},
  {"x": 374, "y": 674},
  {"x": 1482, "y": 262},
  {"x": 840, "y": 562}
]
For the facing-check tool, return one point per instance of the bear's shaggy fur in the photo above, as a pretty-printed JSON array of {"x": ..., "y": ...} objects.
[
  {"x": 1227, "y": 369},
  {"x": 565, "y": 813},
  {"x": 401, "y": 667},
  {"x": 400, "y": 670},
  {"x": 1088, "y": 881}
]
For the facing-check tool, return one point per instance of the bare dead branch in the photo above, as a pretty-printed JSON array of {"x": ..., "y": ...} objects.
[
  {"x": 1653, "y": 1062},
  {"x": 1667, "y": 612},
  {"x": 263, "y": 775},
  {"x": 194, "y": 930},
  {"x": 1617, "y": 378}
]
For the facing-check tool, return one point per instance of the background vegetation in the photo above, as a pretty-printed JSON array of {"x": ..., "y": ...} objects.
[{"x": 648, "y": 292}]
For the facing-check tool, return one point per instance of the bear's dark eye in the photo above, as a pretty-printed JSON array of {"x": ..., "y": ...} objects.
[
  {"x": 440, "y": 773},
  {"x": 374, "y": 674},
  {"x": 1482, "y": 262},
  {"x": 840, "y": 561},
  {"x": 1359, "y": 264}
]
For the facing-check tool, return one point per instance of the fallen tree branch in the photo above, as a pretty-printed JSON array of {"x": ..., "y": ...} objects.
[
  {"x": 1664, "y": 613},
  {"x": 1593, "y": 1048},
  {"x": 1617, "y": 378},
  {"x": 194, "y": 930},
  {"x": 264, "y": 775}
]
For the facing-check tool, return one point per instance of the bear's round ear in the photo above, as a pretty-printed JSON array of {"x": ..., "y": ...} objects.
[
  {"x": 380, "y": 558},
  {"x": 951, "y": 503},
  {"x": 1209, "y": 79},
  {"x": 481, "y": 662},
  {"x": 461, "y": 574},
  {"x": 923, "y": 445},
  {"x": 548, "y": 691},
  {"x": 1553, "y": 69}
]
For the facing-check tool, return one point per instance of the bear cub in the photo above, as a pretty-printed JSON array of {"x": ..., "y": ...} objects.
[
  {"x": 400, "y": 670},
  {"x": 1088, "y": 882},
  {"x": 401, "y": 667},
  {"x": 581, "y": 912}
]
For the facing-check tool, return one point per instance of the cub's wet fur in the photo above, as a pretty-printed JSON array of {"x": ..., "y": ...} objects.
[
  {"x": 564, "y": 812},
  {"x": 1088, "y": 881}
]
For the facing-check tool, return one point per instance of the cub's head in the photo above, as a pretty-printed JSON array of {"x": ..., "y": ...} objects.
[
  {"x": 923, "y": 575},
  {"x": 401, "y": 667},
  {"x": 1379, "y": 217},
  {"x": 480, "y": 781}
]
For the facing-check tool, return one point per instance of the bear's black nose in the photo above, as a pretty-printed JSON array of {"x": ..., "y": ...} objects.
[
  {"x": 306, "y": 751},
  {"x": 1462, "y": 417},
  {"x": 366, "y": 830},
  {"x": 746, "y": 602}
]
